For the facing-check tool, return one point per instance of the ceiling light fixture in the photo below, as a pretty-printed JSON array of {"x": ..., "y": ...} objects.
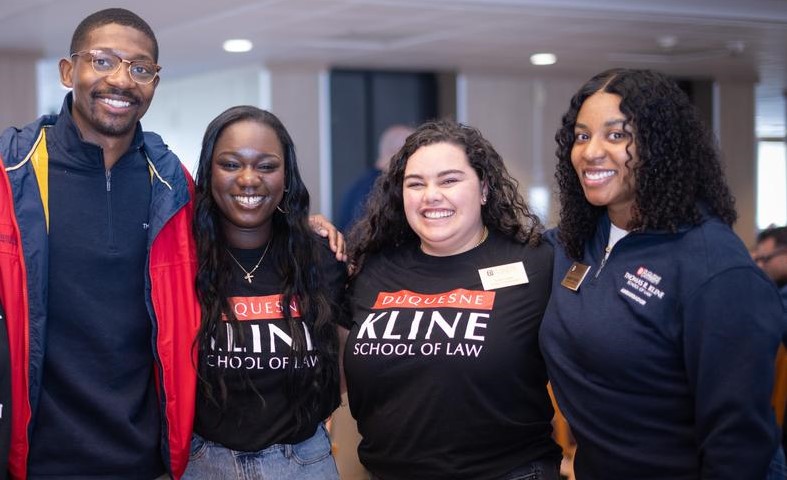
[
  {"x": 667, "y": 42},
  {"x": 543, "y": 58},
  {"x": 237, "y": 45}
]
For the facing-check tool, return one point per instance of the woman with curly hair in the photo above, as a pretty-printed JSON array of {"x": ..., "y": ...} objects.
[
  {"x": 450, "y": 281},
  {"x": 661, "y": 333},
  {"x": 269, "y": 291}
]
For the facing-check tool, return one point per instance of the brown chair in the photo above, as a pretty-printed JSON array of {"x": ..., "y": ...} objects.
[
  {"x": 562, "y": 434},
  {"x": 779, "y": 397}
]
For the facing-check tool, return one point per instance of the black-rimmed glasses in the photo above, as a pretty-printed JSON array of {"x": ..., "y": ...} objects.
[
  {"x": 763, "y": 259},
  {"x": 105, "y": 63}
]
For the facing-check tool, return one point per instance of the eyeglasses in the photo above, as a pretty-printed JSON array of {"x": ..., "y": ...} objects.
[
  {"x": 763, "y": 259},
  {"x": 105, "y": 63}
]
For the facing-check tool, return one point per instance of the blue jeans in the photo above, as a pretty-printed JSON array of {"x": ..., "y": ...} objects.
[
  {"x": 309, "y": 460},
  {"x": 778, "y": 468},
  {"x": 538, "y": 470}
]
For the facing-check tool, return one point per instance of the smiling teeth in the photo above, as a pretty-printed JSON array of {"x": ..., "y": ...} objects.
[
  {"x": 249, "y": 201},
  {"x": 438, "y": 213},
  {"x": 599, "y": 175},
  {"x": 116, "y": 103}
]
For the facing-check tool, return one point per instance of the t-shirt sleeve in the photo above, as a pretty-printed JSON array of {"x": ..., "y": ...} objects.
[
  {"x": 335, "y": 273},
  {"x": 732, "y": 328}
]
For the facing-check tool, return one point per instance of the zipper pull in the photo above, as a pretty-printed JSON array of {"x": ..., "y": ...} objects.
[{"x": 603, "y": 260}]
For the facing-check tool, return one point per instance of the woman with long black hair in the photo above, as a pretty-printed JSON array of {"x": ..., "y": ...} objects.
[{"x": 269, "y": 291}]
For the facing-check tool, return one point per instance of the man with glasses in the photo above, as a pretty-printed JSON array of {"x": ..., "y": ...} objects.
[
  {"x": 96, "y": 271},
  {"x": 97, "y": 268},
  {"x": 770, "y": 254}
]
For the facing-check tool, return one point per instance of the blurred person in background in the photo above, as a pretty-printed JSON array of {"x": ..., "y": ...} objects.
[
  {"x": 354, "y": 199},
  {"x": 770, "y": 254}
]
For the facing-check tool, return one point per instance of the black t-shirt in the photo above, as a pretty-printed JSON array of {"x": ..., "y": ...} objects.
[
  {"x": 444, "y": 372},
  {"x": 261, "y": 354}
]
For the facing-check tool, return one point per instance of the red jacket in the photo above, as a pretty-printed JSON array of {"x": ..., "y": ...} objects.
[{"x": 171, "y": 272}]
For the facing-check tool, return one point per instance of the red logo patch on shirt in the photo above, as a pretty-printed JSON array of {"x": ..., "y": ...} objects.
[
  {"x": 267, "y": 307},
  {"x": 459, "y": 298}
]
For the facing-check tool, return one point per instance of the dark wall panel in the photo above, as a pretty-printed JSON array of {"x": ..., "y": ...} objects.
[{"x": 363, "y": 104}]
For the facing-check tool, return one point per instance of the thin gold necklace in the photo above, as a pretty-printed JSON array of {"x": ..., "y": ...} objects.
[{"x": 250, "y": 273}]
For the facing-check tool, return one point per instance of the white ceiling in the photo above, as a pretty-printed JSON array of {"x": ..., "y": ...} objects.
[{"x": 728, "y": 39}]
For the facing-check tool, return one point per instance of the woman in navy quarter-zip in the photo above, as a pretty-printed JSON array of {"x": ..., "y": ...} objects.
[{"x": 661, "y": 333}]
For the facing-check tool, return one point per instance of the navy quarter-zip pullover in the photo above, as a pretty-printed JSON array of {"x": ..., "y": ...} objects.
[
  {"x": 96, "y": 281},
  {"x": 663, "y": 360}
]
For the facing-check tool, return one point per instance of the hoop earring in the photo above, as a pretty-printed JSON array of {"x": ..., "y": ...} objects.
[{"x": 278, "y": 207}]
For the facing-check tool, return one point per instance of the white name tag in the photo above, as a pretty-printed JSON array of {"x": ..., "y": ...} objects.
[{"x": 503, "y": 276}]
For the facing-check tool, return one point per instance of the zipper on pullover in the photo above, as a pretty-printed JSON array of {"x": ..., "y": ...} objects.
[
  {"x": 110, "y": 229},
  {"x": 607, "y": 253}
]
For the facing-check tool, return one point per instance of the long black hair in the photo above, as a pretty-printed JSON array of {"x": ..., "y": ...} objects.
[
  {"x": 679, "y": 173},
  {"x": 385, "y": 224},
  {"x": 294, "y": 251}
]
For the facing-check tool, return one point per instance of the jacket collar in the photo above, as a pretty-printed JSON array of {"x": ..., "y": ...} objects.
[
  {"x": 601, "y": 235},
  {"x": 82, "y": 153}
]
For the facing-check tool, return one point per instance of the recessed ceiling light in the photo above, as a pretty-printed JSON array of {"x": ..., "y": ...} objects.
[
  {"x": 667, "y": 42},
  {"x": 543, "y": 58},
  {"x": 237, "y": 45}
]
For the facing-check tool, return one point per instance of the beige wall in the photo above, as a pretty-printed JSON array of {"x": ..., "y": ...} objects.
[
  {"x": 519, "y": 115},
  {"x": 298, "y": 98},
  {"x": 734, "y": 126},
  {"x": 18, "y": 92}
]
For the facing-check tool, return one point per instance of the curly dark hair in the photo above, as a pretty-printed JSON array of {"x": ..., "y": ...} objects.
[
  {"x": 679, "y": 174},
  {"x": 120, "y": 16},
  {"x": 385, "y": 225},
  {"x": 295, "y": 254}
]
